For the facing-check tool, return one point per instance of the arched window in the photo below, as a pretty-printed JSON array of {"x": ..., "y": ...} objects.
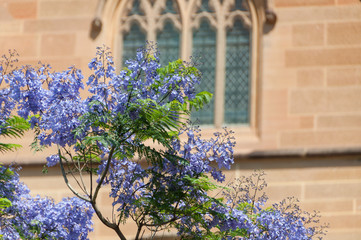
[
  {"x": 132, "y": 40},
  {"x": 204, "y": 47},
  {"x": 236, "y": 103},
  {"x": 168, "y": 43},
  {"x": 222, "y": 35}
]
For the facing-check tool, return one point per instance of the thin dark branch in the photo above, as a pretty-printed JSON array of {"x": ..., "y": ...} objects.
[
  {"x": 175, "y": 218},
  {"x": 91, "y": 178},
  {"x": 82, "y": 185},
  {"x": 100, "y": 183},
  {"x": 67, "y": 181}
]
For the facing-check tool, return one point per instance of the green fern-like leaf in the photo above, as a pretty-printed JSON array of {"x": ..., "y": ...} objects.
[
  {"x": 4, "y": 203},
  {"x": 200, "y": 100},
  {"x": 14, "y": 127},
  {"x": 8, "y": 147}
]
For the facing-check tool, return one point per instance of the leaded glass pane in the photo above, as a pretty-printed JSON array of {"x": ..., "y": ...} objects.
[
  {"x": 132, "y": 40},
  {"x": 204, "y": 47},
  {"x": 170, "y": 6},
  {"x": 204, "y": 6},
  {"x": 168, "y": 43},
  {"x": 135, "y": 8},
  {"x": 236, "y": 107},
  {"x": 240, "y": 5}
]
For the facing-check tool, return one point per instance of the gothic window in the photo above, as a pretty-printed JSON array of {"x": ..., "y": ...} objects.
[
  {"x": 204, "y": 46},
  {"x": 133, "y": 39},
  {"x": 217, "y": 33},
  {"x": 237, "y": 74},
  {"x": 168, "y": 43}
]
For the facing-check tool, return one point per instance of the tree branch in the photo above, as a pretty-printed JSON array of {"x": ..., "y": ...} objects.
[
  {"x": 113, "y": 226},
  {"x": 103, "y": 174},
  {"x": 67, "y": 181}
]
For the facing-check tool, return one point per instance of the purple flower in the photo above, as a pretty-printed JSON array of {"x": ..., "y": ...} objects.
[
  {"x": 106, "y": 135},
  {"x": 52, "y": 160},
  {"x": 68, "y": 219}
]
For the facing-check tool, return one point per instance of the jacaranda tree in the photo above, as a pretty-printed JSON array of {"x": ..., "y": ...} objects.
[
  {"x": 35, "y": 218},
  {"x": 132, "y": 134},
  {"x": 23, "y": 216}
]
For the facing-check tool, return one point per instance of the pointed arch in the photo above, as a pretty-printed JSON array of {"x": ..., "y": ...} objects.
[
  {"x": 132, "y": 40},
  {"x": 175, "y": 23},
  {"x": 168, "y": 41},
  {"x": 204, "y": 52}
]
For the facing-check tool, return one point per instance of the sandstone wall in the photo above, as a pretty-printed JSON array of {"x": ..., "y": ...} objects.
[{"x": 310, "y": 98}]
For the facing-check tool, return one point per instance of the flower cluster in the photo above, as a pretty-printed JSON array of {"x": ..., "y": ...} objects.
[
  {"x": 6, "y": 102},
  {"x": 248, "y": 218},
  {"x": 105, "y": 137},
  {"x": 40, "y": 218}
]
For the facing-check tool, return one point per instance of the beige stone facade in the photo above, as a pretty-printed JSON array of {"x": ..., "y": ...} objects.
[{"x": 307, "y": 136}]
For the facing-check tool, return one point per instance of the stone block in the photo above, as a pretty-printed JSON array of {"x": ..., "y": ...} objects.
[
  {"x": 325, "y": 100},
  {"x": 58, "y": 44},
  {"x": 308, "y": 35},
  {"x": 323, "y": 57},
  {"x": 320, "y": 139},
  {"x": 300, "y": 3},
  {"x": 345, "y": 76},
  {"x": 10, "y": 27},
  {"x": 308, "y": 101},
  {"x": 4, "y": 12},
  {"x": 310, "y": 78},
  {"x": 358, "y": 205},
  {"x": 344, "y": 33},
  {"x": 85, "y": 46},
  {"x": 318, "y": 14},
  {"x": 339, "y": 122},
  {"x": 347, "y": 2},
  {"x": 344, "y": 221},
  {"x": 67, "y": 8},
  {"x": 25, "y": 45},
  {"x": 57, "y": 25},
  {"x": 307, "y": 122},
  {"x": 344, "y": 234},
  {"x": 327, "y": 206},
  {"x": 39, "y": 184},
  {"x": 23, "y": 10},
  {"x": 275, "y": 102},
  {"x": 62, "y": 63},
  {"x": 344, "y": 100},
  {"x": 333, "y": 190},
  {"x": 278, "y": 192},
  {"x": 310, "y": 174},
  {"x": 275, "y": 78}
]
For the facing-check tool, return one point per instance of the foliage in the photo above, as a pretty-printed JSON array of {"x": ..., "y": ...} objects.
[
  {"x": 6, "y": 175},
  {"x": 13, "y": 127},
  {"x": 132, "y": 135},
  {"x": 27, "y": 217},
  {"x": 284, "y": 220},
  {"x": 21, "y": 215}
]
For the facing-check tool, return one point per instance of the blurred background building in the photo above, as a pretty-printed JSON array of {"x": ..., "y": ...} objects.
[{"x": 286, "y": 77}]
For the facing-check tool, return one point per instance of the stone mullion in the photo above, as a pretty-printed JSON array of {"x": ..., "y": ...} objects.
[
  {"x": 255, "y": 9},
  {"x": 185, "y": 10},
  {"x": 220, "y": 68},
  {"x": 151, "y": 21},
  {"x": 118, "y": 49}
]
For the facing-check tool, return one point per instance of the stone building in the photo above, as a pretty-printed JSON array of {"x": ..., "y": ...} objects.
[{"x": 286, "y": 76}]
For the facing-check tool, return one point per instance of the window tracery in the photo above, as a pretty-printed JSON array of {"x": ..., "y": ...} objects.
[{"x": 226, "y": 32}]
